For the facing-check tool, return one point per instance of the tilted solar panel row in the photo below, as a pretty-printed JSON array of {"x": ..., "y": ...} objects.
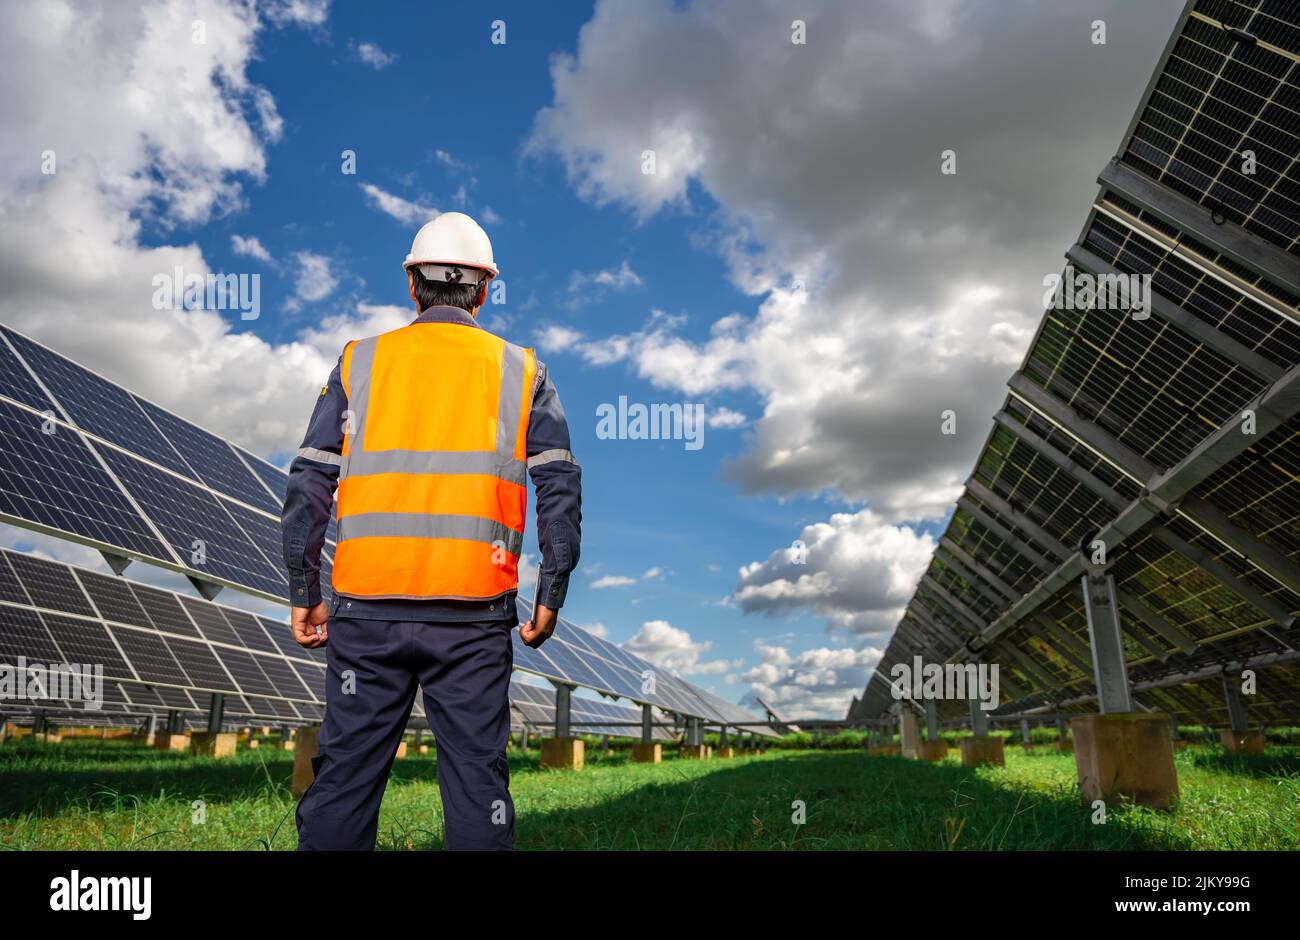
[{"x": 1107, "y": 402}]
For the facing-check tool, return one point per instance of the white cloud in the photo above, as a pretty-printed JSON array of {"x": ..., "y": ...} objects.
[
  {"x": 250, "y": 247},
  {"x": 618, "y": 580},
  {"x": 672, "y": 648},
  {"x": 298, "y": 12},
  {"x": 403, "y": 210},
  {"x": 814, "y": 683},
  {"x": 857, "y": 570},
  {"x": 372, "y": 55},
  {"x": 597, "y": 629},
  {"x": 588, "y": 282},
  {"x": 725, "y": 419},
  {"x": 447, "y": 160},
  {"x": 149, "y": 128},
  {"x": 314, "y": 281},
  {"x": 873, "y": 274}
]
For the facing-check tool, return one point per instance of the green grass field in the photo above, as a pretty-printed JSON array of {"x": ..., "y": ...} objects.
[{"x": 92, "y": 794}]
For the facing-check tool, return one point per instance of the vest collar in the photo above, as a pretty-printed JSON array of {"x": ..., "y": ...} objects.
[{"x": 446, "y": 315}]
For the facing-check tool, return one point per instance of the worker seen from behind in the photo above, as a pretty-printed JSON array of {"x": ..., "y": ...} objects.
[{"x": 426, "y": 432}]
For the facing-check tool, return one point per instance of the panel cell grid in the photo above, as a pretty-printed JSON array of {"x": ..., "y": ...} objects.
[
  {"x": 50, "y": 584},
  {"x": 53, "y": 480}
]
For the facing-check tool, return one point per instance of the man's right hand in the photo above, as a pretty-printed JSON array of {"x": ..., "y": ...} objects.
[
  {"x": 305, "y": 622},
  {"x": 538, "y": 630}
]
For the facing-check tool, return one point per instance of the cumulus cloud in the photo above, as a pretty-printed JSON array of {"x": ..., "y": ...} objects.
[
  {"x": 372, "y": 55},
  {"x": 812, "y": 683},
  {"x": 886, "y": 292},
  {"x": 403, "y": 210},
  {"x": 725, "y": 419},
  {"x": 856, "y": 570},
  {"x": 250, "y": 247},
  {"x": 619, "y": 580},
  {"x": 588, "y": 282},
  {"x": 672, "y": 648},
  {"x": 316, "y": 279},
  {"x": 298, "y": 12},
  {"x": 148, "y": 128}
]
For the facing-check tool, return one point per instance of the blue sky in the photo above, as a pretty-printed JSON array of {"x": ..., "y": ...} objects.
[{"x": 797, "y": 264}]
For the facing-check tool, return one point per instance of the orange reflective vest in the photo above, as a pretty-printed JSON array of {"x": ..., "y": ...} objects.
[{"x": 431, "y": 493}]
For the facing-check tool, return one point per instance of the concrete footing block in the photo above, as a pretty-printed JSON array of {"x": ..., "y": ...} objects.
[
  {"x": 695, "y": 751},
  {"x": 1242, "y": 742},
  {"x": 931, "y": 750},
  {"x": 725, "y": 752},
  {"x": 1128, "y": 755},
  {"x": 213, "y": 744},
  {"x": 563, "y": 753},
  {"x": 171, "y": 741},
  {"x": 401, "y": 749},
  {"x": 983, "y": 750},
  {"x": 303, "y": 773},
  {"x": 647, "y": 753},
  {"x": 423, "y": 749}
]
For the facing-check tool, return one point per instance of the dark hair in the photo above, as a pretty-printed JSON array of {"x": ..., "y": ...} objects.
[{"x": 430, "y": 293}]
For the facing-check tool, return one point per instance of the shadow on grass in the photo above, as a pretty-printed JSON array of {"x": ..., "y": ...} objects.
[
  {"x": 849, "y": 801},
  {"x": 1274, "y": 762},
  {"x": 42, "y": 779}
]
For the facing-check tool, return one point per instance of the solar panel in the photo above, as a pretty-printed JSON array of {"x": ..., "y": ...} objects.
[
  {"x": 1217, "y": 98},
  {"x": 96, "y": 404},
  {"x": 214, "y": 461},
  {"x": 152, "y": 659},
  {"x": 164, "y": 610},
  {"x": 113, "y": 599},
  {"x": 197, "y": 527},
  {"x": 53, "y": 481},
  {"x": 16, "y": 382},
  {"x": 50, "y": 584},
  {"x": 86, "y": 641}
]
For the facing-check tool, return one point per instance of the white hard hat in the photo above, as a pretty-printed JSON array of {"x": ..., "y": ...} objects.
[{"x": 451, "y": 241}]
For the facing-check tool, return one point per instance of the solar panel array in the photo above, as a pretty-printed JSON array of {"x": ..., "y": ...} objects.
[
  {"x": 160, "y": 651},
  {"x": 536, "y": 706},
  {"x": 82, "y": 458},
  {"x": 1130, "y": 429}
]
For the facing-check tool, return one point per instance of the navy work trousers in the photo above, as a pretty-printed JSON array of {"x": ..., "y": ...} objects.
[{"x": 374, "y": 669}]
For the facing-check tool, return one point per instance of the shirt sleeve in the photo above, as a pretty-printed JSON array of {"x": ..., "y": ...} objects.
[
  {"x": 557, "y": 482},
  {"x": 309, "y": 500}
]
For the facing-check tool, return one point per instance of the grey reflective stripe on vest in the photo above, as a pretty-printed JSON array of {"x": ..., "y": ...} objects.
[
  {"x": 368, "y": 463},
  {"x": 320, "y": 456},
  {"x": 511, "y": 399},
  {"x": 550, "y": 456},
  {"x": 358, "y": 390},
  {"x": 429, "y": 526}
]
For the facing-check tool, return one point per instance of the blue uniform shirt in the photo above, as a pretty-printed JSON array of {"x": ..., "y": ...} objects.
[{"x": 313, "y": 478}]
